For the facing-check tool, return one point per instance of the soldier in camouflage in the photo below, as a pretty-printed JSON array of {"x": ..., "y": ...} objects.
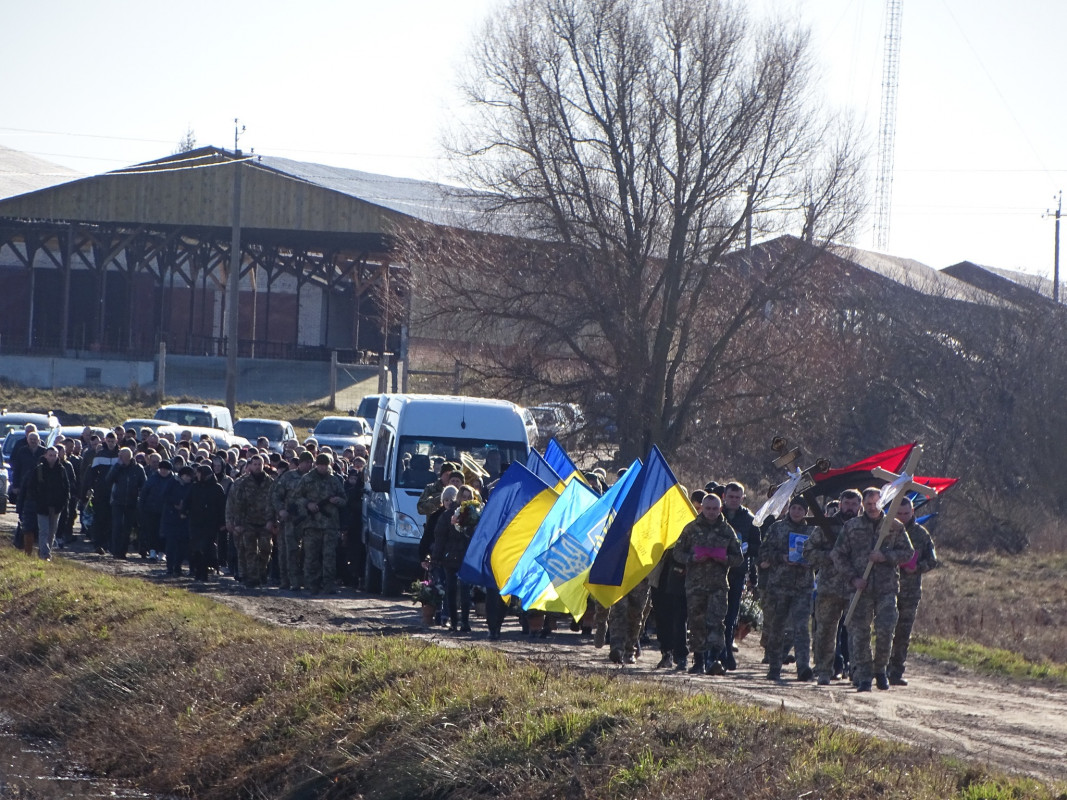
[
  {"x": 708, "y": 547},
  {"x": 833, "y": 593},
  {"x": 290, "y": 555},
  {"x": 625, "y": 620},
  {"x": 249, "y": 515},
  {"x": 319, "y": 496},
  {"x": 855, "y": 548},
  {"x": 787, "y": 600},
  {"x": 911, "y": 589}
]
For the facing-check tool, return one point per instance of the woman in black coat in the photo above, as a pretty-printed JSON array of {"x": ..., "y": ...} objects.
[{"x": 205, "y": 508}]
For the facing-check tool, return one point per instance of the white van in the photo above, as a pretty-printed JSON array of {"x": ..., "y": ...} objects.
[
  {"x": 197, "y": 416},
  {"x": 410, "y": 431}
]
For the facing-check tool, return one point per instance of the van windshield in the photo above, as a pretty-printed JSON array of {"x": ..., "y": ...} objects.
[
  {"x": 415, "y": 467},
  {"x": 187, "y": 417}
]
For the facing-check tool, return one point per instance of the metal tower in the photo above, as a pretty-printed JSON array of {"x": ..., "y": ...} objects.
[{"x": 887, "y": 127}]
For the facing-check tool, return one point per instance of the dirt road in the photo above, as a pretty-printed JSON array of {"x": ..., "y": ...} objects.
[{"x": 1016, "y": 727}]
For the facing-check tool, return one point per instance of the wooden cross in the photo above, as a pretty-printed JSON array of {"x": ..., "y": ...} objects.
[{"x": 891, "y": 512}]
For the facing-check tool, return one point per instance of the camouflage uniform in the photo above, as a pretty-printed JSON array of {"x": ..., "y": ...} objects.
[
  {"x": 787, "y": 601},
  {"x": 911, "y": 590},
  {"x": 625, "y": 620},
  {"x": 878, "y": 601},
  {"x": 321, "y": 529},
  {"x": 248, "y": 506},
  {"x": 290, "y": 557},
  {"x": 706, "y": 585},
  {"x": 430, "y": 499},
  {"x": 832, "y": 595}
]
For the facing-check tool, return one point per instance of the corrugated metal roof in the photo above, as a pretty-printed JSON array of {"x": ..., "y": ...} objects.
[
  {"x": 435, "y": 203},
  {"x": 918, "y": 276},
  {"x": 21, "y": 173}
]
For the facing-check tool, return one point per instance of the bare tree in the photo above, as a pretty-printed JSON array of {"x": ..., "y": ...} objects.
[
  {"x": 188, "y": 142},
  {"x": 626, "y": 146}
]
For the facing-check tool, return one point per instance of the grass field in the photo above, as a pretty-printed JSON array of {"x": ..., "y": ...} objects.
[
  {"x": 999, "y": 614},
  {"x": 108, "y": 408},
  {"x": 183, "y": 696}
]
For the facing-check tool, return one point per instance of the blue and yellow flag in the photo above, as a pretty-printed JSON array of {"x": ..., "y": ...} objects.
[
  {"x": 556, "y": 457},
  {"x": 536, "y": 463},
  {"x": 650, "y": 520},
  {"x": 529, "y": 581},
  {"x": 518, "y": 494},
  {"x": 568, "y": 558}
]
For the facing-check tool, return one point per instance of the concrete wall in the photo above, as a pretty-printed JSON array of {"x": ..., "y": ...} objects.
[{"x": 53, "y": 373}]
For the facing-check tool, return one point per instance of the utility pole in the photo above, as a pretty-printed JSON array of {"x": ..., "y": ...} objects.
[
  {"x": 887, "y": 127},
  {"x": 1056, "y": 258}
]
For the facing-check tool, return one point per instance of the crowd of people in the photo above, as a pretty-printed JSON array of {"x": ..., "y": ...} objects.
[{"x": 293, "y": 519}]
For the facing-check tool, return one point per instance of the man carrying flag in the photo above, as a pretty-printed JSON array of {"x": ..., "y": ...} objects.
[{"x": 708, "y": 547}]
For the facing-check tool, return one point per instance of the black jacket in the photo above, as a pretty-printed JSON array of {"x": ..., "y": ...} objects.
[
  {"x": 49, "y": 487},
  {"x": 125, "y": 483}
]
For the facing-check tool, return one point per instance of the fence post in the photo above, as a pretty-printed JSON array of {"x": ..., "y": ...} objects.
[
  {"x": 333, "y": 380},
  {"x": 161, "y": 372}
]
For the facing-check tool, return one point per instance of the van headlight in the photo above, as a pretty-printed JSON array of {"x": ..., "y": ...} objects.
[{"x": 407, "y": 527}]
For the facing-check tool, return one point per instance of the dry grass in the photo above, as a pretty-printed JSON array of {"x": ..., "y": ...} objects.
[
  {"x": 78, "y": 406},
  {"x": 1013, "y": 604},
  {"x": 185, "y": 697}
]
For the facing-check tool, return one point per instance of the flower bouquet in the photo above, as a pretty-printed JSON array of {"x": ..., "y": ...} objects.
[
  {"x": 467, "y": 515},
  {"x": 426, "y": 593},
  {"x": 749, "y": 618}
]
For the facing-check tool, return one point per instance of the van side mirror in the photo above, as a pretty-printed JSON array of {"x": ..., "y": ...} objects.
[{"x": 378, "y": 481}]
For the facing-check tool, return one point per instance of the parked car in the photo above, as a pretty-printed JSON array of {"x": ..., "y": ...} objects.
[
  {"x": 201, "y": 416},
  {"x": 551, "y": 423},
  {"x": 533, "y": 436},
  {"x": 277, "y": 431},
  {"x": 67, "y": 431},
  {"x": 19, "y": 420},
  {"x": 223, "y": 440},
  {"x": 137, "y": 424},
  {"x": 341, "y": 432}
]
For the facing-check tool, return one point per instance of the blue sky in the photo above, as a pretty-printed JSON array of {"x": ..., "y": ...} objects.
[{"x": 980, "y": 129}]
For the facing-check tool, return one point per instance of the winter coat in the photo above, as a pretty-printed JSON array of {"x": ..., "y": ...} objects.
[
  {"x": 49, "y": 487},
  {"x": 151, "y": 500},
  {"x": 205, "y": 511},
  {"x": 173, "y": 522},
  {"x": 125, "y": 482}
]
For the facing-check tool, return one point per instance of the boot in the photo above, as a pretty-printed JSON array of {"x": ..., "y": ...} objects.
[
  {"x": 774, "y": 673},
  {"x": 897, "y": 679},
  {"x": 28, "y": 541},
  {"x": 714, "y": 668},
  {"x": 698, "y": 664},
  {"x": 666, "y": 662},
  {"x": 804, "y": 674},
  {"x": 882, "y": 681},
  {"x": 681, "y": 664}
]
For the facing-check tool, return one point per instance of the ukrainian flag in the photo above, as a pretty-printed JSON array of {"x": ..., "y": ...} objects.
[
  {"x": 536, "y": 463},
  {"x": 650, "y": 520},
  {"x": 529, "y": 581},
  {"x": 568, "y": 558},
  {"x": 556, "y": 457},
  {"x": 519, "y": 502}
]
